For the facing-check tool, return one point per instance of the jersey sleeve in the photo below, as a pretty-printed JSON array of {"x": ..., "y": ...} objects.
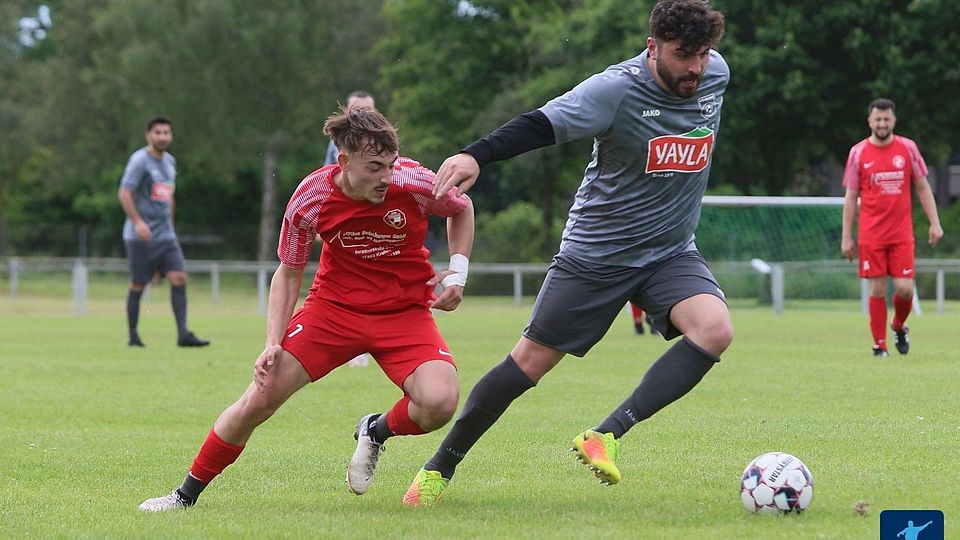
[
  {"x": 132, "y": 173},
  {"x": 417, "y": 180},
  {"x": 851, "y": 174},
  {"x": 297, "y": 232},
  {"x": 589, "y": 108},
  {"x": 917, "y": 163}
]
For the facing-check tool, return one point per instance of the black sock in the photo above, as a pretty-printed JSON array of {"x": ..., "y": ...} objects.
[
  {"x": 190, "y": 490},
  {"x": 670, "y": 377},
  {"x": 489, "y": 398},
  {"x": 133, "y": 310},
  {"x": 378, "y": 430},
  {"x": 178, "y": 299}
]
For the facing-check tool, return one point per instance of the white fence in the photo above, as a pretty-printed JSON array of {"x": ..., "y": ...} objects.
[
  {"x": 81, "y": 267},
  {"x": 778, "y": 272}
]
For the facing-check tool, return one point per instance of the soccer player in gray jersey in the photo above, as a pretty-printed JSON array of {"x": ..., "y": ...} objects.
[
  {"x": 629, "y": 236},
  {"x": 146, "y": 195}
]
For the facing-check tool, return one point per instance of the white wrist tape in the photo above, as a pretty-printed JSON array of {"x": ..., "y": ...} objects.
[{"x": 461, "y": 265}]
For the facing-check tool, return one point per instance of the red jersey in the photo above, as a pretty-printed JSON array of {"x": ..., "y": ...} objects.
[
  {"x": 883, "y": 176},
  {"x": 373, "y": 258}
]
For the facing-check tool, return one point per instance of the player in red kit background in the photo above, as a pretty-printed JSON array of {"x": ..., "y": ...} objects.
[
  {"x": 372, "y": 293},
  {"x": 880, "y": 170}
]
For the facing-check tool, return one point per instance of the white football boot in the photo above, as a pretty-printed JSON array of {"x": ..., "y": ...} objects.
[
  {"x": 364, "y": 460},
  {"x": 172, "y": 501}
]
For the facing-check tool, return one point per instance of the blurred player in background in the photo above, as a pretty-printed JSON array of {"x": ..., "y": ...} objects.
[
  {"x": 636, "y": 313},
  {"x": 373, "y": 292},
  {"x": 629, "y": 236},
  {"x": 880, "y": 170},
  {"x": 146, "y": 195},
  {"x": 357, "y": 98}
]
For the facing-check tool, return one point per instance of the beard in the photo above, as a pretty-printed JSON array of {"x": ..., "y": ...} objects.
[
  {"x": 882, "y": 135},
  {"x": 673, "y": 83}
]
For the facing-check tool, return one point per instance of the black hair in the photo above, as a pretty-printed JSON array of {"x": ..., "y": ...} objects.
[
  {"x": 882, "y": 104},
  {"x": 158, "y": 120},
  {"x": 693, "y": 22}
]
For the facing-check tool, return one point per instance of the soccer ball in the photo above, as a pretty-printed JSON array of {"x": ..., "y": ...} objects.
[{"x": 776, "y": 482}]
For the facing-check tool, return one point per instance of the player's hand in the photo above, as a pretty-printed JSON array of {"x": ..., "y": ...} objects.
[
  {"x": 935, "y": 234},
  {"x": 451, "y": 295},
  {"x": 846, "y": 247},
  {"x": 142, "y": 230},
  {"x": 459, "y": 171},
  {"x": 264, "y": 364}
]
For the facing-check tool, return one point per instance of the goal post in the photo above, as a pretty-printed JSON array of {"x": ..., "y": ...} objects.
[{"x": 777, "y": 249}]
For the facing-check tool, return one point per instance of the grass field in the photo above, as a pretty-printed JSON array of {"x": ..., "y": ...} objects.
[{"x": 90, "y": 428}]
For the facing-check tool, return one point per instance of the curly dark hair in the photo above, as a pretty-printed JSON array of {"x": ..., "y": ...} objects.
[
  {"x": 361, "y": 130},
  {"x": 693, "y": 22}
]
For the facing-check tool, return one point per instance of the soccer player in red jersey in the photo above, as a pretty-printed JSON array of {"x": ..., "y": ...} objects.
[
  {"x": 880, "y": 170},
  {"x": 372, "y": 292}
]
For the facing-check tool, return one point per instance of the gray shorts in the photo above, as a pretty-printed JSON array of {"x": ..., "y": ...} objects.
[
  {"x": 146, "y": 257},
  {"x": 578, "y": 302}
]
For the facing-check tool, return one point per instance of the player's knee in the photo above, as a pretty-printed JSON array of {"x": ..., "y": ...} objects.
[
  {"x": 258, "y": 407},
  {"x": 177, "y": 279},
  {"x": 723, "y": 335},
  {"x": 714, "y": 336},
  {"x": 438, "y": 409}
]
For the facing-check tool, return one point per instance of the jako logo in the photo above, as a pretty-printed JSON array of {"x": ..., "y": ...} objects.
[{"x": 689, "y": 152}]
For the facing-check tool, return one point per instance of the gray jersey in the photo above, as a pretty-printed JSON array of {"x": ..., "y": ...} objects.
[
  {"x": 640, "y": 198},
  {"x": 151, "y": 181}
]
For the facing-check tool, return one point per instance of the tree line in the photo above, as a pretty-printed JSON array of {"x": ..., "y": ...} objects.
[{"x": 248, "y": 85}]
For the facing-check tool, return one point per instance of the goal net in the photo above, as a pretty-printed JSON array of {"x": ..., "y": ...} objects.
[{"x": 754, "y": 244}]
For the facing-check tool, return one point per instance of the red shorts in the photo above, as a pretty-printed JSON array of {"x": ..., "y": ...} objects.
[
  {"x": 881, "y": 260},
  {"x": 323, "y": 335}
]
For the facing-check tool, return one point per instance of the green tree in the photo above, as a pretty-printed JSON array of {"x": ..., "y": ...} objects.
[
  {"x": 448, "y": 90},
  {"x": 248, "y": 82},
  {"x": 804, "y": 72},
  {"x": 248, "y": 87}
]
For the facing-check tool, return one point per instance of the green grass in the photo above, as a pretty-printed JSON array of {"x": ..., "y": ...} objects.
[{"x": 90, "y": 428}]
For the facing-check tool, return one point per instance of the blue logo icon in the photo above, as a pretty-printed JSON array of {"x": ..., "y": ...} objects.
[{"x": 911, "y": 525}]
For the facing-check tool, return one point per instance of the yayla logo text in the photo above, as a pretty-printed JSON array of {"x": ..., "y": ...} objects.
[{"x": 689, "y": 152}]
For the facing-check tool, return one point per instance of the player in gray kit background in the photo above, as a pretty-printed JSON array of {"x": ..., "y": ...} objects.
[
  {"x": 629, "y": 236},
  {"x": 146, "y": 194}
]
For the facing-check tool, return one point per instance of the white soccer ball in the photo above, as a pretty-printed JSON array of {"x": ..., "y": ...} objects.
[{"x": 776, "y": 482}]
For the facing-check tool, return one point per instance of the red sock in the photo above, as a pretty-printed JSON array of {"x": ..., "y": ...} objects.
[
  {"x": 398, "y": 419},
  {"x": 637, "y": 314},
  {"x": 901, "y": 309},
  {"x": 215, "y": 455},
  {"x": 878, "y": 321}
]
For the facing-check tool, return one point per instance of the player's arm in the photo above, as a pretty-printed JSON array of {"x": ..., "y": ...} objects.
[
  {"x": 849, "y": 213},
  {"x": 460, "y": 241},
  {"x": 284, "y": 293},
  {"x": 130, "y": 180},
  {"x": 851, "y": 180},
  {"x": 130, "y": 209},
  {"x": 925, "y": 194},
  {"x": 524, "y": 133}
]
